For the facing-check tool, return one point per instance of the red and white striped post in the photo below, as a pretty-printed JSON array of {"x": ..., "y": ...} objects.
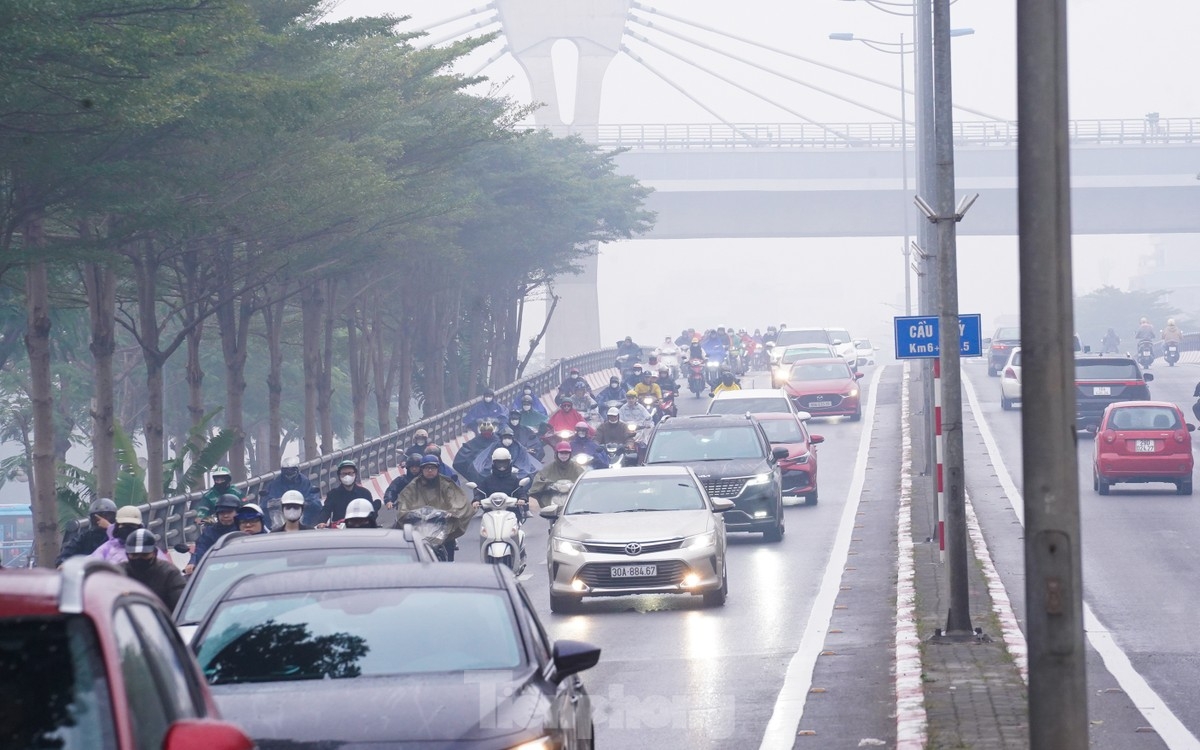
[{"x": 941, "y": 454}]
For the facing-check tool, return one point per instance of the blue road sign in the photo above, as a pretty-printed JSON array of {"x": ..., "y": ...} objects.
[{"x": 917, "y": 336}]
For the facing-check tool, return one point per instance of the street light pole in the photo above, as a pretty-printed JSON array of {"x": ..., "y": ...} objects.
[{"x": 904, "y": 170}]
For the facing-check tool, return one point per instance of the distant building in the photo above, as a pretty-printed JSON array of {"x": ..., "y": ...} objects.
[{"x": 1172, "y": 265}]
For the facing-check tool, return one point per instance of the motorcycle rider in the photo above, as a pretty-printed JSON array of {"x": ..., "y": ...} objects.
[
  {"x": 728, "y": 383},
  {"x": 583, "y": 443},
  {"x": 628, "y": 347},
  {"x": 666, "y": 383},
  {"x": 696, "y": 349},
  {"x": 633, "y": 411},
  {"x": 1145, "y": 331},
  {"x": 145, "y": 566},
  {"x": 502, "y": 478},
  {"x": 534, "y": 402},
  {"x": 226, "y": 515},
  {"x": 412, "y": 467},
  {"x": 485, "y": 441},
  {"x": 633, "y": 377},
  {"x": 443, "y": 468},
  {"x": 684, "y": 338},
  {"x": 339, "y": 497},
  {"x": 611, "y": 430},
  {"x": 102, "y": 513},
  {"x": 564, "y": 419},
  {"x": 128, "y": 520},
  {"x": 561, "y": 468},
  {"x": 436, "y": 491},
  {"x": 648, "y": 388},
  {"x": 420, "y": 441},
  {"x": 571, "y": 384},
  {"x": 290, "y": 479},
  {"x": 1111, "y": 341},
  {"x": 222, "y": 484},
  {"x": 486, "y": 409},
  {"x": 1171, "y": 332},
  {"x": 292, "y": 503},
  {"x": 250, "y": 520},
  {"x": 614, "y": 391},
  {"x": 525, "y": 437},
  {"x": 531, "y": 417},
  {"x": 522, "y": 463},
  {"x": 360, "y": 514}
]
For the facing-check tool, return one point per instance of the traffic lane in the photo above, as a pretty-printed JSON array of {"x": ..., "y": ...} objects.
[{"x": 674, "y": 674}]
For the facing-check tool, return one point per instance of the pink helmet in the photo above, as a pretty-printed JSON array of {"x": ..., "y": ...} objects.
[{"x": 562, "y": 447}]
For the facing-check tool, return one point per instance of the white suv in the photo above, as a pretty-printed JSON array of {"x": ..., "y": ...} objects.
[{"x": 838, "y": 338}]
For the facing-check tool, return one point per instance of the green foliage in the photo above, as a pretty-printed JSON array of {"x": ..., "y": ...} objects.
[
  {"x": 199, "y": 455},
  {"x": 1110, "y": 307}
]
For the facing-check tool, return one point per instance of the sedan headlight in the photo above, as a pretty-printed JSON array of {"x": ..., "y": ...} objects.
[
  {"x": 852, "y": 393},
  {"x": 707, "y": 539},
  {"x": 759, "y": 479},
  {"x": 568, "y": 547}
]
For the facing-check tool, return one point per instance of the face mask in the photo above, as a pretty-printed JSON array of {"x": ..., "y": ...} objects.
[
  {"x": 506, "y": 442},
  {"x": 221, "y": 482},
  {"x": 581, "y": 436},
  {"x": 526, "y": 407},
  {"x": 422, "y": 441},
  {"x": 563, "y": 457},
  {"x": 123, "y": 531},
  {"x": 514, "y": 422},
  {"x": 292, "y": 514},
  {"x": 347, "y": 479},
  {"x": 290, "y": 473},
  {"x": 566, "y": 406},
  {"x": 141, "y": 563},
  {"x": 487, "y": 399}
]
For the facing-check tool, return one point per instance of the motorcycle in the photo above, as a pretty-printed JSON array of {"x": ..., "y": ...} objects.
[
  {"x": 624, "y": 363},
  {"x": 555, "y": 496},
  {"x": 696, "y": 376},
  {"x": 712, "y": 372},
  {"x": 1145, "y": 354},
  {"x": 669, "y": 358},
  {"x": 1171, "y": 352},
  {"x": 502, "y": 540},
  {"x": 433, "y": 524},
  {"x": 665, "y": 407}
]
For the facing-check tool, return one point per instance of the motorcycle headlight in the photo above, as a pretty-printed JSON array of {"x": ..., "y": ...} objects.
[
  {"x": 582, "y": 459},
  {"x": 565, "y": 434},
  {"x": 568, "y": 547},
  {"x": 713, "y": 363},
  {"x": 759, "y": 479},
  {"x": 707, "y": 539}
]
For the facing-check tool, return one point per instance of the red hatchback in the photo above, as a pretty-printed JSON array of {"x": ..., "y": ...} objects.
[
  {"x": 89, "y": 658},
  {"x": 799, "y": 468},
  {"x": 1143, "y": 441},
  {"x": 825, "y": 388}
]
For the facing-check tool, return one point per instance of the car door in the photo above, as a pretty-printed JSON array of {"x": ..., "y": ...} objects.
[{"x": 570, "y": 708}]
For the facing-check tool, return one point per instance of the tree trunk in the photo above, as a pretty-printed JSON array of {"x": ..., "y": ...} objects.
[
  {"x": 384, "y": 369},
  {"x": 37, "y": 346},
  {"x": 273, "y": 323},
  {"x": 325, "y": 392},
  {"x": 100, "y": 283},
  {"x": 404, "y": 393},
  {"x": 195, "y": 376},
  {"x": 357, "y": 356},
  {"x": 312, "y": 303},
  {"x": 145, "y": 268},
  {"x": 233, "y": 318}
]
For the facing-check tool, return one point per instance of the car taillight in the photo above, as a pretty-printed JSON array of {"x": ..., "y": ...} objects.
[
  {"x": 1010, "y": 373},
  {"x": 1109, "y": 436},
  {"x": 1181, "y": 436},
  {"x": 1133, "y": 383},
  {"x": 999, "y": 347}
]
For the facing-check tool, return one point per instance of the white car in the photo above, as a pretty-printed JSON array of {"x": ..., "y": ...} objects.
[
  {"x": 754, "y": 401},
  {"x": 864, "y": 351},
  {"x": 793, "y": 354},
  {"x": 838, "y": 338},
  {"x": 1010, "y": 380}
]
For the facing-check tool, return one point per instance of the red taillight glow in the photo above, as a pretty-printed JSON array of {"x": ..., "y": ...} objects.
[
  {"x": 999, "y": 347},
  {"x": 1181, "y": 436},
  {"x": 1110, "y": 436},
  {"x": 1010, "y": 373}
]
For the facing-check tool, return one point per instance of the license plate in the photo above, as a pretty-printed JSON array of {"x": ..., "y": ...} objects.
[
  {"x": 1101, "y": 390},
  {"x": 633, "y": 571},
  {"x": 820, "y": 403},
  {"x": 1143, "y": 446}
]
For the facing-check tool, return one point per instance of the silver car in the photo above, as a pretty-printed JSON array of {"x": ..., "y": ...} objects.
[{"x": 640, "y": 530}]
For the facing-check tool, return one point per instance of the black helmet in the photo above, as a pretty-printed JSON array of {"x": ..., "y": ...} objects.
[
  {"x": 102, "y": 505},
  {"x": 347, "y": 464},
  {"x": 229, "y": 501},
  {"x": 412, "y": 459}
]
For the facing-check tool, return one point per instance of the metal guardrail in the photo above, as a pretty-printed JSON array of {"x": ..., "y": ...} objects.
[
  {"x": 172, "y": 518},
  {"x": 1131, "y": 132}
]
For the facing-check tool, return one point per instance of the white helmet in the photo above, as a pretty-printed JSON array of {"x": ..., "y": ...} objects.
[
  {"x": 501, "y": 454},
  {"x": 359, "y": 508},
  {"x": 292, "y": 497},
  {"x": 291, "y": 462}
]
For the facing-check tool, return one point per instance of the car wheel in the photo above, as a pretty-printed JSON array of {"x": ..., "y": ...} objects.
[
  {"x": 563, "y": 604},
  {"x": 857, "y": 415},
  {"x": 775, "y": 534},
  {"x": 811, "y": 498},
  {"x": 717, "y": 598},
  {"x": 1006, "y": 403},
  {"x": 1184, "y": 487},
  {"x": 1101, "y": 485}
]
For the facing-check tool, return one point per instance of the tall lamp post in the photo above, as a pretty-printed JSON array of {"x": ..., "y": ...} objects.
[{"x": 900, "y": 49}]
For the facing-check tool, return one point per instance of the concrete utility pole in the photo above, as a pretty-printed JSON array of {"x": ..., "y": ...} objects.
[
  {"x": 1053, "y": 579},
  {"x": 958, "y": 621},
  {"x": 926, "y": 179}
]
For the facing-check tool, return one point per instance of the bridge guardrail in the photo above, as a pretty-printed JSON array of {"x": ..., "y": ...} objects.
[
  {"x": 678, "y": 136},
  {"x": 171, "y": 518}
]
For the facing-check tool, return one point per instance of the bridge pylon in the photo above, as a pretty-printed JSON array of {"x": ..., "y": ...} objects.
[{"x": 595, "y": 27}]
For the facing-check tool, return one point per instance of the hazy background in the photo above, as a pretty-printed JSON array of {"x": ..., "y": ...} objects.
[{"x": 1126, "y": 60}]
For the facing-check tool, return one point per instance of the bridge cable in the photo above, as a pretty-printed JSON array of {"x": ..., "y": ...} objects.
[
  {"x": 503, "y": 51},
  {"x": 485, "y": 23},
  {"x": 467, "y": 14},
  {"x": 738, "y": 86},
  {"x": 780, "y": 51},
  {"x": 641, "y": 61}
]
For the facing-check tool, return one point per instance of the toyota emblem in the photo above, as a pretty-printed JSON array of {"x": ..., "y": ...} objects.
[{"x": 633, "y": 548}]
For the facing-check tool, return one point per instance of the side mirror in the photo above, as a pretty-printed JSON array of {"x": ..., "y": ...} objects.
[
  {"x": 471, "y": 485},
  {"x": 803, "y": 416},
  {"x": 550, "y": 511},
  {"x": 1191, "y": 428},
  {"x": 858, "y": 376},
  {"x": 816, "y": 439},
  {"x": 524, "y": 482},
  {"x": 722, "y": 504},
  {"x": 986, "y": 342},
  {"x": 1093, "y": 428},
  {"x": 572, "y": 657},
  {"x": 837, "y": 342},
  {"x": 779, "y": 452},
  {"x": 1149, "y": 376},
  {"x": 212, "y": 735}
]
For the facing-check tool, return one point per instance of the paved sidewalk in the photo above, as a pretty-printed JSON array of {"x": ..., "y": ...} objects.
[{"x": 974, "y": 695}]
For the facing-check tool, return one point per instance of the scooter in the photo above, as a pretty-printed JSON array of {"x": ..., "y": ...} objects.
[
  {"x": 1171, "y": 352},
  {"x": 501, "y": 538},
  {"x": 669, "y": 358},
  {"x": 1145, "y": 354},
  {"x": 665, "y": 407},
  {"x": 696, "y": 376},
  {"x": 433, "y": 524}
]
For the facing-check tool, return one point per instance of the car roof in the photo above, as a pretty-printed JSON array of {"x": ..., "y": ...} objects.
[
  {"x": 409, "y": 575},
  {"x": 657, "y": 470},
  {"x": 26, "y": 592},
  {"x": 244, "y": 544},
  {"x": 821, "y": 361},
  {"x": 701, "y": 420},
  {"x": 1154, "y": 404}
]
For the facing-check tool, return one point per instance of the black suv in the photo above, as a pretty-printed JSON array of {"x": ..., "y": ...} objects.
[
  {"x": 1100, "y": 381},
  {"x": 1002, "y": 343},
  {"x": 734, "y": 459}
]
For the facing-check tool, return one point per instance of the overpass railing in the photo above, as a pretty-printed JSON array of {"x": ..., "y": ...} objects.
[
  {"x": 171, "y": 519},
  {"x": 1132, "y": 132}
]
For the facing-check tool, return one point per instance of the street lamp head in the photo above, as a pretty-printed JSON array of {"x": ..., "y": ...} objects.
[{"x": 842, "y": 36}]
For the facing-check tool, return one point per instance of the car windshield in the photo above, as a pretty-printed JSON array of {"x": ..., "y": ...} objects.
[
  {"x": 1016, "y": 358},
  {"x": 839, "y": 336},
  {"x": 806, "y": 352},
  {"x": 862, "y": 343},
  {"x": 625, "y": 494},
  {"x": 763, "y": 405},
  {"x": 813, "y": 336},
  {"x": 704, "y": 444},
  {"x": 783, "y": 430},
  {"x": 1144, "y": 418},
  {"x": 1008, "y": 334},
  {"x": 218, "y": 574},
  {"x": 359, "y": 633},
  {"x": 819, "y": 371},
  {"x": 1106, "y": 369},
  {"x": 52, "y": 685}
]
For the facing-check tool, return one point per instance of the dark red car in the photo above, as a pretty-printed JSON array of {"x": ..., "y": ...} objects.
[
  {"x": 89, "y": 658},
  {"x": 825, "y": 388},
  {"x": 1143, "y": 441},
  {"x": 799, "y": 468}
]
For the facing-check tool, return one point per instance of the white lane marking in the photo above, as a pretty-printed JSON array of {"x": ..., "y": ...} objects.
[
  {"x": 789, "y": 704},
  {"x": 1116, "y": 661},
  {"x": 1010, "y": 627},
  {"x": 912, "y": 723}
]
